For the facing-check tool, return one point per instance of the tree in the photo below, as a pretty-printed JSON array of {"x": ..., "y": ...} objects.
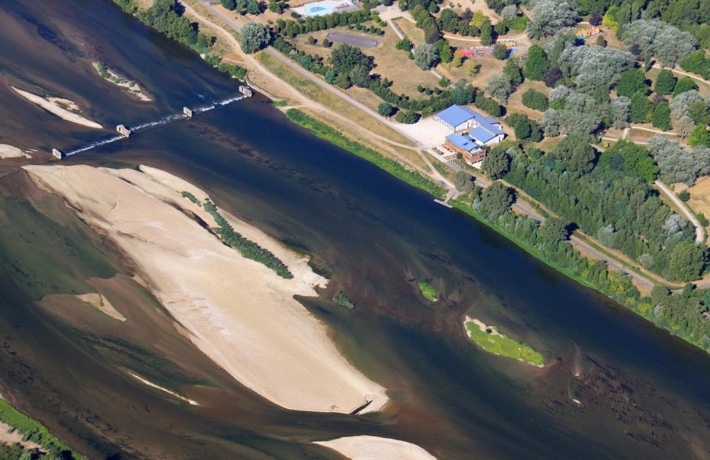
[
  {"x": 684, "y": 84},
  {"x": 535, "y": 100},
  {"x": 554, "y": 231},
  {"x": 665, "y": 83},
  {"x": 345, "y": 58},
  {"x": 655, "y": 38},
  {"x": 551, "y": 16},
  {"x": 487, "y": 33},
  {"x": 471, "y": 68},
  {"x": 611, "y": 19},
  {"x": 327, "y": 43},
  {"x": 404, "y": 44},
  {"x": 360, "y": 76},
  {"x": 457, "y": 60},
  {"x": 552, "y": 76},
  {"x": 229, "y": 4},
  {"x": 662, "y": 116},
  {"x": 593, "y": 66},
  {"x": 522, "y": 128},
  {"x": 595, "y": 18},
  {"x": 699, "y": 112},
  {"x": 575, "y": 154},
  {"x": 385, "y": 109},
  {"x": 443, "y": 82},
  {"x": 462, "y": 93},
  {"x": 426, "y": 56},
  {"x": 631, "y": 159},
  {"x": 536, "y": 64},
  {"x": 676, "y": 163},
  {"x": 446, "y": 54},
  {"x": 499, "y": 87},
  {"x": 253, "y": 7},
  {"x": 686, "y": 262},
  {"x": 632, "y": 81},
  {"x": 497, "y": 163},
  {"x": 601, "y": 41},
  {"x": 500, "y": 51},
  {"x": 496, "y": 199},
  {"x": 641, "y": 108},
  {"x": 513, "y": 72},
  {"x": 463, "y": 182},
  {"x": 509, "y": 12},
  {"x": 684, "y": 126},
  {"x": 407, "y": 117},
  {"x": 699, "y": 136},
  {"x": 254, "y": 37}
]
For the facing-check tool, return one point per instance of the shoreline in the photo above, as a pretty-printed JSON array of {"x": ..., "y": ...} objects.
[
  {"x": 53, "y": 105},
  {"x": 238, "y": 312}
]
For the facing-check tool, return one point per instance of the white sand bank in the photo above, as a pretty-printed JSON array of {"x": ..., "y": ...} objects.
[
  {"x": 376, "y": 448},
  {"x": 165, "y": 390},
  {"x": 101, "y": 303},
  {"x": 10, "y": 151},
  {"x": 54, "y": 105},
  {"x": 238, "y": 312}
]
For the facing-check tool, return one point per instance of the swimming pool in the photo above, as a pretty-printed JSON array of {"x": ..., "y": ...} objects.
[{"x": 325, "y": 7}]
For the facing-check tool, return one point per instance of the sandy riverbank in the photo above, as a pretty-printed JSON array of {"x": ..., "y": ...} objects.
[
  {"x": 376, "y": 448},
  {"x": 10, "y": 151},
  {"x": 59, "y": 107},
  {"x": 238, "y": 312}
]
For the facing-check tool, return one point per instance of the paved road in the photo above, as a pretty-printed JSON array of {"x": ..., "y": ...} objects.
[{"x": 699, "y": 235}]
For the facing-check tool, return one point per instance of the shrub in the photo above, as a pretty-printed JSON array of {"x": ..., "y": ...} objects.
[{"x": 535, "y": 100}]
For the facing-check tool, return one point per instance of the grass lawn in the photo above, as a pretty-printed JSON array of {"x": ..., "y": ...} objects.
[
  {"x": 489, "y": 66},
  {"x": 700, "y": 199},
  {"x": 428, "y": 291},
  {"x": 492, "y": 341}
]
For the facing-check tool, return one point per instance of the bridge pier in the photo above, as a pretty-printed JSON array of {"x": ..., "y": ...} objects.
[
  {"x": 123, "y": 130},
  {"x": 58, "y": 154},
  {"x": 187, "y": 112},
  {"x": 245, "y": 90}
]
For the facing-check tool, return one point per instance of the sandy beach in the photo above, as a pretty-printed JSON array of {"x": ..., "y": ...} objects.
[
  {"x": 10, "y": 151},
  {"x": 55, "y": 106},
  {"x": 237, "y": 311},
  {"x": 376, "y": 448}
]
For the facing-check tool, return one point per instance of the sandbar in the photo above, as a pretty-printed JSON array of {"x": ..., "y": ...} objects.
[
  {"x": 117, "y": 79},
  {"x": 376, "y": 448},
  {"x": 54, "y": 105},
  {"x": 237, "y": 311},
  {"x": 10, "y": 151}
]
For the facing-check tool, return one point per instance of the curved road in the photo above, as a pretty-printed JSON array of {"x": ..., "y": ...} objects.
[{"x": 699, "y": 235}]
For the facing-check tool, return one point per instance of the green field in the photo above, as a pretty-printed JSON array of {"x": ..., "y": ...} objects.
[
  {"x": 494, "y": 342},
  {"x": 428, "y": 291}
]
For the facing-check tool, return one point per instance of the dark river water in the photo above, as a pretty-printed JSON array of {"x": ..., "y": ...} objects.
[{"x": 641, "y": 392}]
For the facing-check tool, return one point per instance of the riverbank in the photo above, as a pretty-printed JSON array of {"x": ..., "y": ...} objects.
[
  {"x": 63, "y": 108},
  {"x": 238, "y": 312}
]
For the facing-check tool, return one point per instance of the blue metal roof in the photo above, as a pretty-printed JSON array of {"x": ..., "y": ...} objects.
[
  {"x": 462, "y": 142},
  {"x": 455, "y": 115},
  {"x": 482, "y": 134}
]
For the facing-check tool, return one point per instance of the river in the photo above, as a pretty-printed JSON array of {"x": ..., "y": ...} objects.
[{"x": 642, "y": 392}]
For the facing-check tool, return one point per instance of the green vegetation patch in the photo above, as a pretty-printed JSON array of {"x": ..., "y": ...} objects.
[
  {"x": 246, "y": 248},
  {"x": 492, "y": 341},
  {"x": 280, "y": 103},
  {"x": 341, "y": 298},
  {"x": 192, "y": 198},
  {"x": 428, "y": 291},
  {"x": 391, "y": 166},
  {"x": 33, "y": 431}
]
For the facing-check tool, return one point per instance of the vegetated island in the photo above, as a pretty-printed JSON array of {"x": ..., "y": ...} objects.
[
  {"x": 117, "y": 79},
  {"x": 428, "y": 291},
  {"x": 24, "y": 437},
  {"x": 492, "y": 341},
  {"x": 341, "y": 298}
]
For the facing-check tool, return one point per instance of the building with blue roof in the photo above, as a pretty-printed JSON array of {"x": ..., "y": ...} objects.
[
  {"x": 482, "y": 131},
  {"x": 485, "y": 130}
]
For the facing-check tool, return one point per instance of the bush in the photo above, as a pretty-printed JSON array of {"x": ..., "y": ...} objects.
[
  {"x": 408, "y": 117},
  {"x": 535, "y": 100},
  {"x": 684, "y": 196},
  {"x": 665, "y": 83},
  {"x": 385, "y": 109}
]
